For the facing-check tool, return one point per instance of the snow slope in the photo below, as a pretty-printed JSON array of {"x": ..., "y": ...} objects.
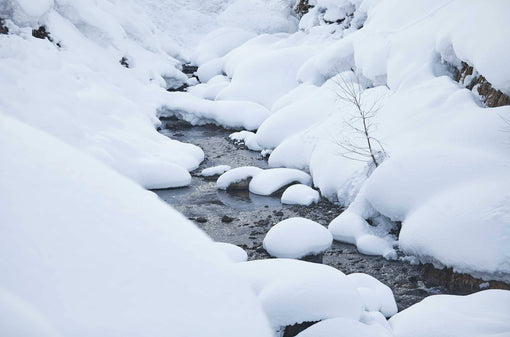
[{"x": 94, "y": 254}]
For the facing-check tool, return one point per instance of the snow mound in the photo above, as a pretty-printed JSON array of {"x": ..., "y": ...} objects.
[
  {"x": 348, "y": 327},
  {"x": 98, "y": 255},
  {"x": 300, "y": 194},
  {"x": 486, "y": 313},
  {"x": 237, "y": 175},
  {"x": 376, "y": 296},
  {"x": 269, "y": 181},
  {"x": 294, "y": 291},
  {"x": 215, "y": 170},
  {"x": 235, "y": 253},
  {"x": 297, "y": 237},
  {"x": 210, "y": 89},
  {"x": 351, "y": 228},
  {"x": 228, "y": 114}
]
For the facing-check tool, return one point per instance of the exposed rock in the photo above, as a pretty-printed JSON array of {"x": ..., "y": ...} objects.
[
  {"x": 293, "y": 330},
  {"x": 240, "y": 185},
  {"x": 3, "y": 29},
  {"x": 455, "y": 282},
  {"x": 226, "y": 219},
  {"x": 124, "y": 62},
  {"x": 201, "y": 219},
  {"x": 41, "y": 33},
  {"x": 302, "y": 8},
  {"x": 471, "y": 79}
]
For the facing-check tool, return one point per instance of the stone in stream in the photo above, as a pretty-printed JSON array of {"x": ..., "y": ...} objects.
[{"x": 227, "y": 219}]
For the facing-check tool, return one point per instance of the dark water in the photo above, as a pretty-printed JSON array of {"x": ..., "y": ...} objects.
[{"x": 244, "y": 219}]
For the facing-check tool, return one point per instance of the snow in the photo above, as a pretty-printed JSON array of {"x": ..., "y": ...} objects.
[
  {"x": 300, "y": 194},
  {"x": 234, "y": 253},
  {"x": 229, "y": 114},
  {"x": 375, "y": 295},
  {"x": 294, "y": 291},
  {"x": 215, "y": 170},
  {"x": 96, "y": 254},
  {"x": 248, "y": 138},
  {"x": 486, "y": 313},
  {"x": 269, "y": 181},
  {"x": 297, "y": 237},
  {"x": 348, "y": 327},
  {"x": 236, "y": 175},
  {"x": 81, "y": 94}
]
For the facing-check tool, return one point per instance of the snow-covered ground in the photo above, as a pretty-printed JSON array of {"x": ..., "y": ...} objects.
[{"x": 86, "y": 251}]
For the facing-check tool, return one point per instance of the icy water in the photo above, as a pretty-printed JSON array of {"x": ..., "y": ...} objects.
[{"x": 244, "y": 218}]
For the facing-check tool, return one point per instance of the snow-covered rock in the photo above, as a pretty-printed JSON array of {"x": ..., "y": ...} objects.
[
  {"x": 300, "y": 194},
  {"x": 227, "y": 113},
  {"x": 294, "y": 291},
  {"x": 376, "y": 296},
  {"x": 269, "y": 181},
  {"x": 215, "y": 170},
  {"x": 297, "y": 237},
  {"x": 486, "y": 313},
  {"x": 235, "y": 253},
  {"x": 237, "y": 178},
  {"x": 248, "y": 138},
  {"x": 95, "y": 254}
]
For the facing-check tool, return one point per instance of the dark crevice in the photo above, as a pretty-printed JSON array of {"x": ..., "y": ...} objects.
[{"x": 3, "y": 29}]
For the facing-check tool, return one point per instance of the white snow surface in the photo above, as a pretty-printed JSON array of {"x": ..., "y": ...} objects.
[
  {"x": 80, "y": 92},
  {"x": 215, "y": 170},
  {"x": 234, "y": 253},
  {"x": 271, "y": 180},
  {"x": 236, "y": 175},
  {"x": 486, "y": 313},
  {"x": 348, "y": 327},
  {"x": 95, "y": 254},
  {"x": 376, "y": 296},
  {"x": 300, "y": 194},
  {"x": 297, "y": 237},
  {"x": 294, "y": 291}
]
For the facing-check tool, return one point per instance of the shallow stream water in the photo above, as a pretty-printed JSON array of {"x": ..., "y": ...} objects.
[{"x": 244, "y": 218}]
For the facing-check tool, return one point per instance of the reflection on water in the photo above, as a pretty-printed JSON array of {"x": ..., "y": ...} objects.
[{"x": 244, "y": 200}]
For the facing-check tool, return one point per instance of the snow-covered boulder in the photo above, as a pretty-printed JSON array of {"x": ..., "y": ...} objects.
[
  {"x": 94, "y": 254},
  {"x": 235, "y": 253},
  {"x": 486, "y": 313},
  {"x": 297, "y": 237},
  {"x": 215, "y": 170},
  {"x": 270, "y": 181},
  {"x": 376, "y": 296},
  {"x": 300, "y": 194},
  {"x": 294, "y": 291},
  {"x": 347, "y": 327},
  {"x": 248, "y": 138},
  {"x": 237, "y": 178}
]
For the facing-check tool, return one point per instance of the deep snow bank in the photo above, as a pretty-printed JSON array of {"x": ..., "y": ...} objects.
[
  {"x": 86, "y": 252},
  {"x": 77, "y": 89}
]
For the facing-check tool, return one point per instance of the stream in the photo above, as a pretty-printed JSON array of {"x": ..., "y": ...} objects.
[{"x": 244, "y": 218}]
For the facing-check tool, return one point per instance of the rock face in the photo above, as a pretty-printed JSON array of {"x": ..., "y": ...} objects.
[
  {"x": 302, "y": 7},
  {"x": 3, "y": 29},
  {"x": 470, "y": 78}
]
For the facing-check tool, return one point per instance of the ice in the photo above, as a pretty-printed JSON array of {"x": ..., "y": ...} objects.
[
  {"x": 348, "y": 327},
  {"x": 300, "y": 194},
  {"x": 486, "y": 313},
  {"x": 297, "y": 237},
  {"x": 96, "y": 254},
  {"x": 294, "y": 291},
  {"x": 215, "y": 170},
  {"x": 237, "y": 175},
  {"x": 269, "y": 181},
  {"x": 235, "y": 253}
]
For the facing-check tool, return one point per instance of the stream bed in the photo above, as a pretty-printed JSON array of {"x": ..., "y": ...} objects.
[{"x": 244, "y": 218}]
